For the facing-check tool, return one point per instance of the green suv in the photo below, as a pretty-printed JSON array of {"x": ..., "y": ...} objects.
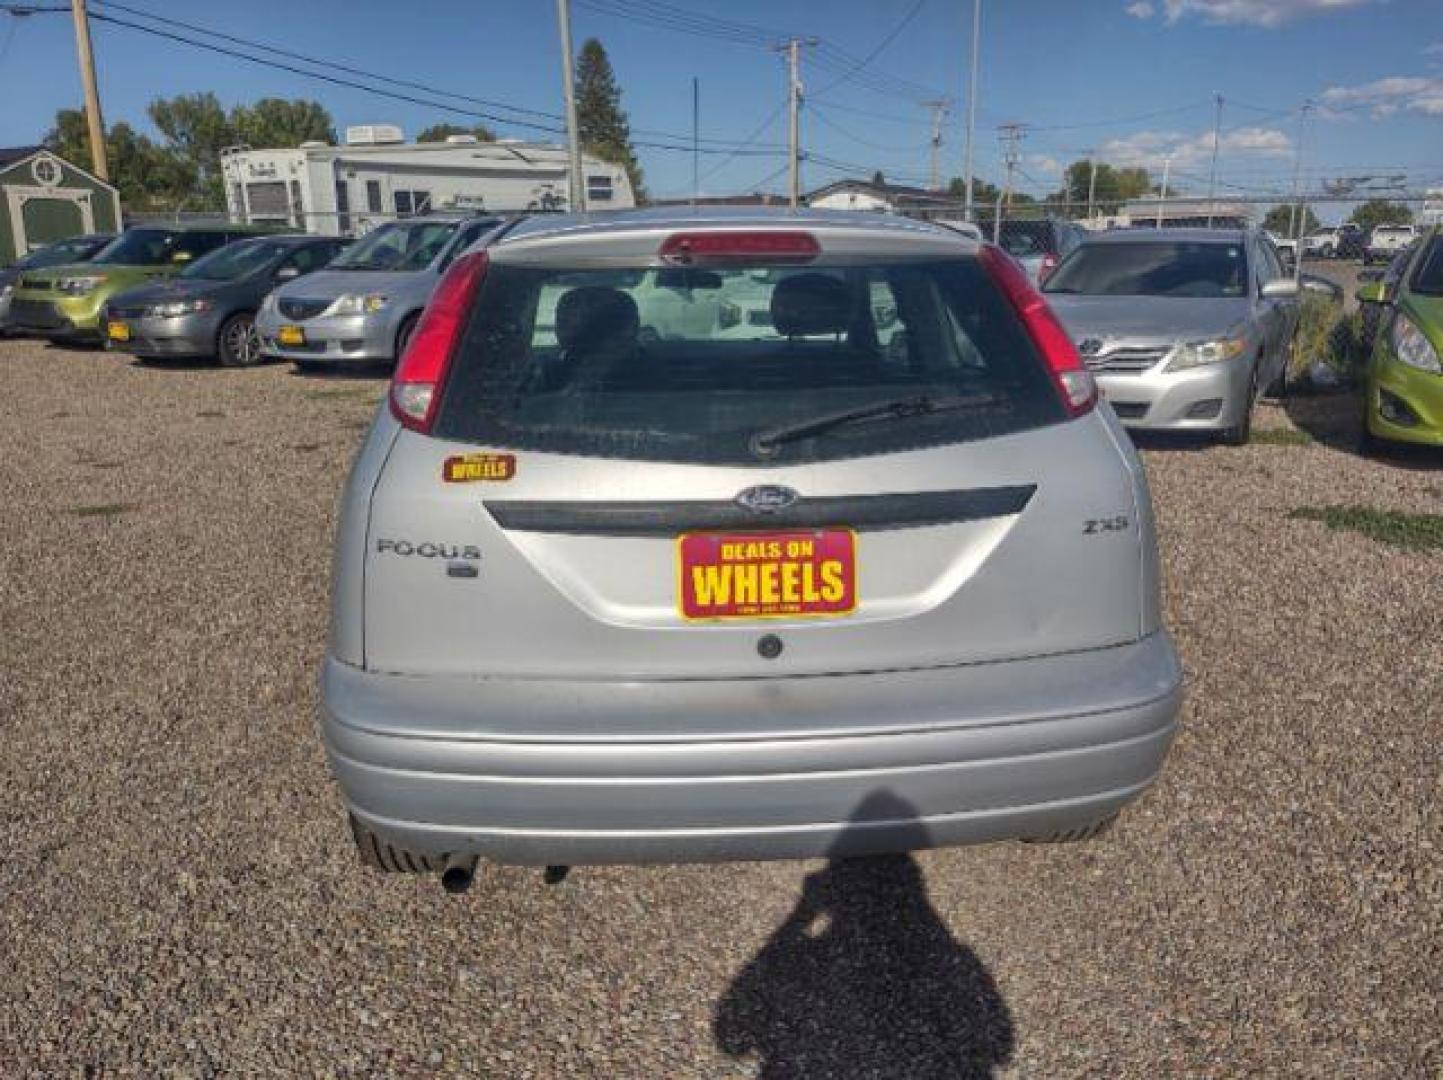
[
  {"x": 1404, "y": 384},
  {"x": 63, "y": 303}
]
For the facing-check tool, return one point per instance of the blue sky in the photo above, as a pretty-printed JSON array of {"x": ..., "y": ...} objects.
[{"x": 1131, "y": 79}]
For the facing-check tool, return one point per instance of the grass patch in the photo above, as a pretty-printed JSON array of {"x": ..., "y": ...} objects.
[
  {"x": 1413, "y": 532},
  {"x": 1281, "y": 437},
  {"x": 104, "y": 509}
]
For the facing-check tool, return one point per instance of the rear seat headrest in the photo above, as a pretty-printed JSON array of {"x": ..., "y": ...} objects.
[
  {"x": 596, "y": 317},
  {"x": 811, "y": 304}
]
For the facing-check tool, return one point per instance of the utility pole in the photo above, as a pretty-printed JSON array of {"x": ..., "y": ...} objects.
[
  {"x": 577, "y": 201},
  {"x": 939, "y": 113},
  {"x": 1011, "y": 135},
  {"x": 93, "y": 119},
  {"x": 1217, "y": 138},
  {"x": 971, "y": 107},
  {"x": 1091, "y": 181},
  {"x": 794, "y": 110},
  {"x": 1162, "y": 196},
  {"x": 1295, "y": 225},
  {"x": 695, "y": 140},
  {"x": 1302, "y": 198}
]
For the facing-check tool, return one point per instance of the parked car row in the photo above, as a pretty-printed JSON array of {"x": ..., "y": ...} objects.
[
  {"x": 1349, "y": 241},
  {"x": 234, "y": 292}
]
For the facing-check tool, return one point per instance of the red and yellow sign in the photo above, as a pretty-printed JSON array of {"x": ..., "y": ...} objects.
[
  {"x": 467, "y": 468},
  {"x": 804, "y": 574}
]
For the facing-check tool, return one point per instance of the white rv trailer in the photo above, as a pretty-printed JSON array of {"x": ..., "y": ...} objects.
[{"x": 377, "y": 176}]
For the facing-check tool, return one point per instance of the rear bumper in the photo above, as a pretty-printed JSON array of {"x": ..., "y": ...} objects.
[
  {"x": 1207, "y": 398},
  {"x": 814, "y": 765}
]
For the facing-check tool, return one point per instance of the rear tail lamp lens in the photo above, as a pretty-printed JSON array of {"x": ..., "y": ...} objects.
[
  {"x": 1074, "y": 383},
  {"x": 738, "y": 245},
  {"x": 421, "y": 372}
]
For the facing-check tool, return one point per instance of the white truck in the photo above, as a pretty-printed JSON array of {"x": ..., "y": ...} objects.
[{"x": 1387, "y": 240}]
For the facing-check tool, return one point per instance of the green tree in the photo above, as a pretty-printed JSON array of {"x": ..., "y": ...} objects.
[
  {"x": 1110, "y": 189},
  {"x": 196, "y": 129},
  {"x": 601, "y": 121},
  {"x": 440, "y": 132},
  {"x": 275, "y": 123},
  {"x": 148, "y": 177},
  {"x": 1277, "y": 219},
  {"x": 1381, "y": 212},
  {"x": 983, "y": 193}
]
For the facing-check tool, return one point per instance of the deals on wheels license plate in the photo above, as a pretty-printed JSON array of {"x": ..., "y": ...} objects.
[
  {"x": 118, "y": 331},
  {"x": 808, "y": 573},
  {"x": 291, "y": 335}
]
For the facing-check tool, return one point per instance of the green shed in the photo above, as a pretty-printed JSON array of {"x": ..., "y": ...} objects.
[{"x": 44, "y": 198}]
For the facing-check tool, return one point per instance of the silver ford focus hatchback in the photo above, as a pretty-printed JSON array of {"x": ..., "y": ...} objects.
[{"x": 687, "y": 535}]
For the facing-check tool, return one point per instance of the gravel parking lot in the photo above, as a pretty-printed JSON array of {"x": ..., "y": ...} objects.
[{"x": 178, "y": 894}]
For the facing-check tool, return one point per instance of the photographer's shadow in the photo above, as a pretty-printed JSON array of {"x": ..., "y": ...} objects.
[{"x": 864, "y": 979}]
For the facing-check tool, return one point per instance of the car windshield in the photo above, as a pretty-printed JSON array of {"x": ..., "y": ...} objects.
[
  {"x": 235, "y": 261},
  {"x": 697, "y": 365},
  {"x": 58, "y": 254},
  {"x": 1026, "y": 239},
  {"x": 1428, "y": 278},
  {"x": 1160, "y": 268},
  {"x": 139, "y": 247},
  {"x": 398, "y": 246}
]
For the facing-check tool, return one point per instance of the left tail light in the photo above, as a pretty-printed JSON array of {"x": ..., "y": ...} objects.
[{"x": 421, "y": 372}]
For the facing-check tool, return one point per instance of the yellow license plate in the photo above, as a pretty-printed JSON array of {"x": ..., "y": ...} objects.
[
  {"x": 291, "y": 335},
  {"x": 118, "y": 331}
]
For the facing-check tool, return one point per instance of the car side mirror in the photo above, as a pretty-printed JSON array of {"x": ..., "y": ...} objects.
[
  {"x": 1279, "y": 289},
  {"x": 288, "y": 273},
  {"x": 1320, "y": 286},
  {"x": 1375, "y": 292}
]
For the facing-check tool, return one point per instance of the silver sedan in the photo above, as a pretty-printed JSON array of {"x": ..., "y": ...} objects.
[{"x": 1182, "y": 327}]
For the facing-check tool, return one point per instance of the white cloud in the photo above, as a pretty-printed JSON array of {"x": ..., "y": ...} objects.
[
  {"x": 1148, "y": 148},
  {"x": 1269, "y": 13},
  {"x": 1044, "y": 166},
  {"x": 1436, "y": 49},
  {"x": 1141, "y": 10},
  {"x": 1385, "y": 97}
]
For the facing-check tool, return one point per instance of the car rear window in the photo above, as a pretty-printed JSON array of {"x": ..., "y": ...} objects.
[
  {"x": 1163, "y": 268},
  {"x": 690, "y": 365}
]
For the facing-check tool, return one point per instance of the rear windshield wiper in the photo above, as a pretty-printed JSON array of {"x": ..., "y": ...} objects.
[{"x": 764, "y": 443}]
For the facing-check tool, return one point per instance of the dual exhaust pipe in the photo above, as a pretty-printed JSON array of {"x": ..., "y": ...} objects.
[{"x": 459, "y": 871}]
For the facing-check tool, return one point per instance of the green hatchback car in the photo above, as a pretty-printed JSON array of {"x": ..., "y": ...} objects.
[
  {"x": 1404, "y": 385},
  {"x": 64, "y": 303}
]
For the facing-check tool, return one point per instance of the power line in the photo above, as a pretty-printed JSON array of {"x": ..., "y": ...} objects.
[
  {"x": 374, "y": 76},
  {"x": 411, "y": 98},
  {"x": 877, "y": 50}
]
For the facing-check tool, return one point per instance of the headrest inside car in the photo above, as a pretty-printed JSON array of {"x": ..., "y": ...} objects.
[
  {"x": 806, "y": 304},
  {"x": 596, "y": 318}
]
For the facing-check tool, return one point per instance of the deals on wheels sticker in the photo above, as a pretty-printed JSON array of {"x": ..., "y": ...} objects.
[
  {"x": 468, "y": 468},
  {"x": 803, "y": 574}
]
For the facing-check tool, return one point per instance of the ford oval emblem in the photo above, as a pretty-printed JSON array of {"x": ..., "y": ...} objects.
[{"x": 767, "y": 498}]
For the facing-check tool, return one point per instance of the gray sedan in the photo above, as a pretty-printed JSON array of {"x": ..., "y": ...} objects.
[
  {"x": 365, "y": 305},
  {"x": 209, "y": 308},
  {"x": 1182, "y": 327}
]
